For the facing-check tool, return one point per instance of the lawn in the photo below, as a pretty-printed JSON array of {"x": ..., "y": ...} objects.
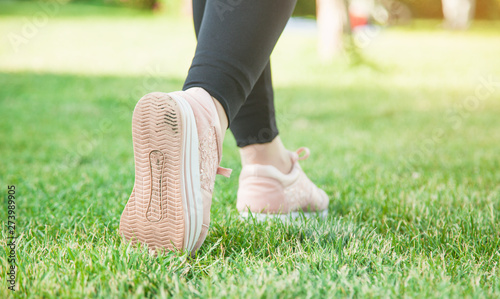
[{"x": 406, "y": 144}]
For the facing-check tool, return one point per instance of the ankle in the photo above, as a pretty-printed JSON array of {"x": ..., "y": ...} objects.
[
  {"x": 273, "y": 153},
  {"x": 222, "y": 116},
  {"x": 205, "y": 96}
]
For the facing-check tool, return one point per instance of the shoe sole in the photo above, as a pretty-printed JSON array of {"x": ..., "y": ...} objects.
[
  {"x": 165, "y": 209},
  {"x": 284, "y": 217}
]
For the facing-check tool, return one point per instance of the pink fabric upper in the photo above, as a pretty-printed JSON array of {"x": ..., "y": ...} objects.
[
  {"x": 265, "y": 189},
  {"x": 210, "y": 148}
]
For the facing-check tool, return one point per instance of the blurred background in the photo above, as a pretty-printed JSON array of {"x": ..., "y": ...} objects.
[
  {"x": 334, "y": 17},
  {"x": 73, "y": 71}
]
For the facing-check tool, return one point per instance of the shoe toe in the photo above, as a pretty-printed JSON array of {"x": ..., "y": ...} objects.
[{"x": 322, "y": 199}]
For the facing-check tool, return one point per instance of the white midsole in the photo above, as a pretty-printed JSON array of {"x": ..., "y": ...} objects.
[
  {"x": 284, "y": 217},
  {"x": 190, "y": 175}
]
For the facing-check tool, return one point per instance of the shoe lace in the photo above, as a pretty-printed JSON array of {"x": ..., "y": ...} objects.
[
  {"x": 303, "y": 149},
  {"x": 224, "y": 171},
  {"x": 296, "y": 156}
]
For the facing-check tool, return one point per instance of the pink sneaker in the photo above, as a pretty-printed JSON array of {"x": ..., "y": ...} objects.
[
  {"x": 265, "y": 192},
  {"x": 177, "y": 152}
]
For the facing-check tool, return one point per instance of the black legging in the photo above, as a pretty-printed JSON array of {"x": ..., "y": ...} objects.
[{"x": 235, "y": 40}]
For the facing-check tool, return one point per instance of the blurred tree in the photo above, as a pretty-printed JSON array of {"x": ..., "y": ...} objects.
[
  {"x": 187, "y": 7},
  {"x": 331, "y": 17},
  {"x": 458, "y": 13}
]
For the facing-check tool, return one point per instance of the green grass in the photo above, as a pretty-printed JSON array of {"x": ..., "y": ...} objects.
[{"x": 408, "y": 157}]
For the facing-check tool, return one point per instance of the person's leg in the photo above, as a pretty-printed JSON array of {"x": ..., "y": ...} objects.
[
  {"x": 178, "y": 136},
  {"x": 254, "y": 126},
  {"x": 255, "y": 130},
  {"x": 255, "y": 123},
  {"x": 198, "y": 12},
  {"x": 235, "y": 41}
]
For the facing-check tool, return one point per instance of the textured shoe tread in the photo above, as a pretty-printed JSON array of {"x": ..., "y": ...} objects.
[{"x": 154, "y": 214}]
